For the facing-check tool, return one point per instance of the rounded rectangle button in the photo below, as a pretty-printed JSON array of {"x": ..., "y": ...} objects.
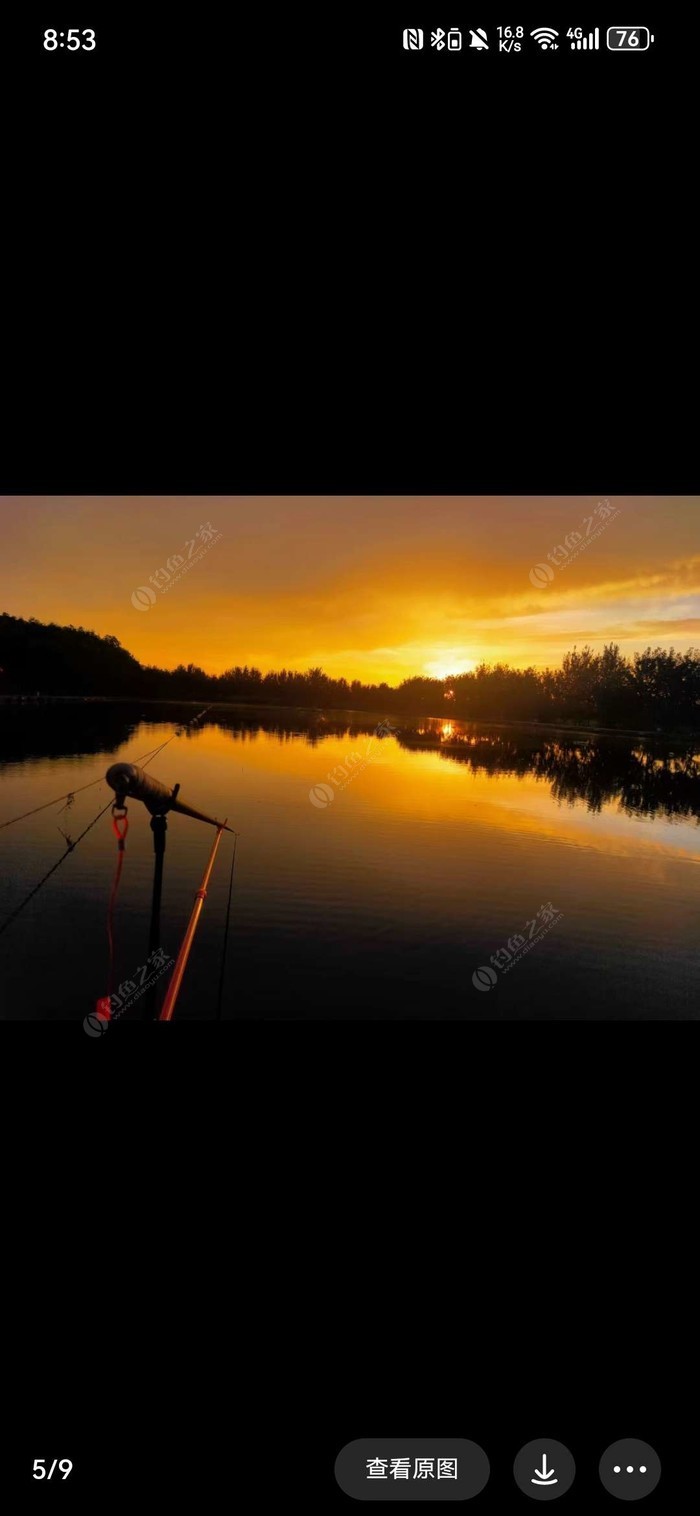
[{"x": 412, "y": 1468}]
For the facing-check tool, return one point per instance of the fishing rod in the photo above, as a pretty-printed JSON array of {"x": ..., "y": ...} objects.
[
  {"x": 186, "y": 944},
  {"x": 129, "y": 781}
]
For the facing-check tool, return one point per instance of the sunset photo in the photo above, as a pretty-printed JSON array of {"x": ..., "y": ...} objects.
[{"x": 349, "y": 758}]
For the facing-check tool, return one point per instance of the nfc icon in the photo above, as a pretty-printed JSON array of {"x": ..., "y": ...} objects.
[{"x": 412, "y": 39}]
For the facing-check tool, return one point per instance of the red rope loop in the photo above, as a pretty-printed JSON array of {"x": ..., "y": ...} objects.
[{"x": 120, "y": 825}]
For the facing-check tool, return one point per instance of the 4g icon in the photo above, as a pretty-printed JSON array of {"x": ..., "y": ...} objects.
[{"x": 509, "y": 39}]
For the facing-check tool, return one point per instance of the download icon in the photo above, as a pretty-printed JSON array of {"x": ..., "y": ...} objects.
[
  {"x": 543, "y": 1475},
  {"x": 544, "y": 1470}
]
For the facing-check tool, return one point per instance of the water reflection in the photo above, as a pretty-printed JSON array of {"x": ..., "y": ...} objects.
[
  {"x": 645, "y": 776},
  {"x": 432, "y": 851}
]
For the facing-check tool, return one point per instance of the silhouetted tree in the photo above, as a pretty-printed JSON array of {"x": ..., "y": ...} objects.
[{"x": 658, "y": 689}]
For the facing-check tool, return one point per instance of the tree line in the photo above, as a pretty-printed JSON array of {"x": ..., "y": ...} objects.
[{"x": 658, "y": 689}]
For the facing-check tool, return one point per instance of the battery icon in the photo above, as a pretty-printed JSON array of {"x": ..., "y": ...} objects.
[{"x": 629, "y": 39}]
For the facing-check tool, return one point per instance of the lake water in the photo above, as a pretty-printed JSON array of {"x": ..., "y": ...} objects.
[{"x": 498, "y": 874}]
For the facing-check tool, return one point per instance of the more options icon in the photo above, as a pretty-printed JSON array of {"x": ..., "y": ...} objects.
[{"x": 630, "y": 1469}]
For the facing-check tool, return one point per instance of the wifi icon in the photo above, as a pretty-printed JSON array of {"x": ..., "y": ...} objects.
[{"x": 545, "y": 35}]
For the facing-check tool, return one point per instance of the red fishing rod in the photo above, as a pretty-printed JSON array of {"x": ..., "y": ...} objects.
[{"x": 185, "y": 947}]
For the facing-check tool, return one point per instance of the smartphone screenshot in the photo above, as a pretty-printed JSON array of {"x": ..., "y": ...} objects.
[{"x": 349, "y": 759}]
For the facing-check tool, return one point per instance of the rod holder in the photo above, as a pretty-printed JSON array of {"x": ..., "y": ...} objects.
[{"x": 127, "y": 780}]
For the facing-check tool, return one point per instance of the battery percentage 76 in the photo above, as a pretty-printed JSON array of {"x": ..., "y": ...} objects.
[{"x": 629, "y": 39}]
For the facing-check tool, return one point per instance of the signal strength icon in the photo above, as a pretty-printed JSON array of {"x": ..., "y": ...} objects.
[
  {"x": 545, "y": 35},
  {"x": 592, "y": 41}
]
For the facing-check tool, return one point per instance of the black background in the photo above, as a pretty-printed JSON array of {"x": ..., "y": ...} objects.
[{"x": 247, "y": 254}]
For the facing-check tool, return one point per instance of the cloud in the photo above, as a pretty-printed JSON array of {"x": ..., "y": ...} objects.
[{"x": 371, "y": 587}]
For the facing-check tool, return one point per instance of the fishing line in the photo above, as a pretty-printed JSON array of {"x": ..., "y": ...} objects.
[
  {"x": 153, "y": 751},
  {"x": 49, "y": 803},
  {"x": 120, "y": 824},
  {"x": 71, "y": 847},
  {"x": 79, "y": 789},
  {"x": 225, "y": 942}
]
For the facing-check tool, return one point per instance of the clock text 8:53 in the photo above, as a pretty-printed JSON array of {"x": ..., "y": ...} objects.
[{"x": 53, "y": 40}]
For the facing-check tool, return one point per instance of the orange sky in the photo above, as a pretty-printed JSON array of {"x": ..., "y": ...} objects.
[{"x": 369, "y": 587}]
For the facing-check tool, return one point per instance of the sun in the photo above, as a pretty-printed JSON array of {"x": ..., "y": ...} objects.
[{"x": 448, "y": 664}]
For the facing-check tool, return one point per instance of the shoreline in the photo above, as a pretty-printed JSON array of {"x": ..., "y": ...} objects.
[{"x": 16, "y": 702}]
